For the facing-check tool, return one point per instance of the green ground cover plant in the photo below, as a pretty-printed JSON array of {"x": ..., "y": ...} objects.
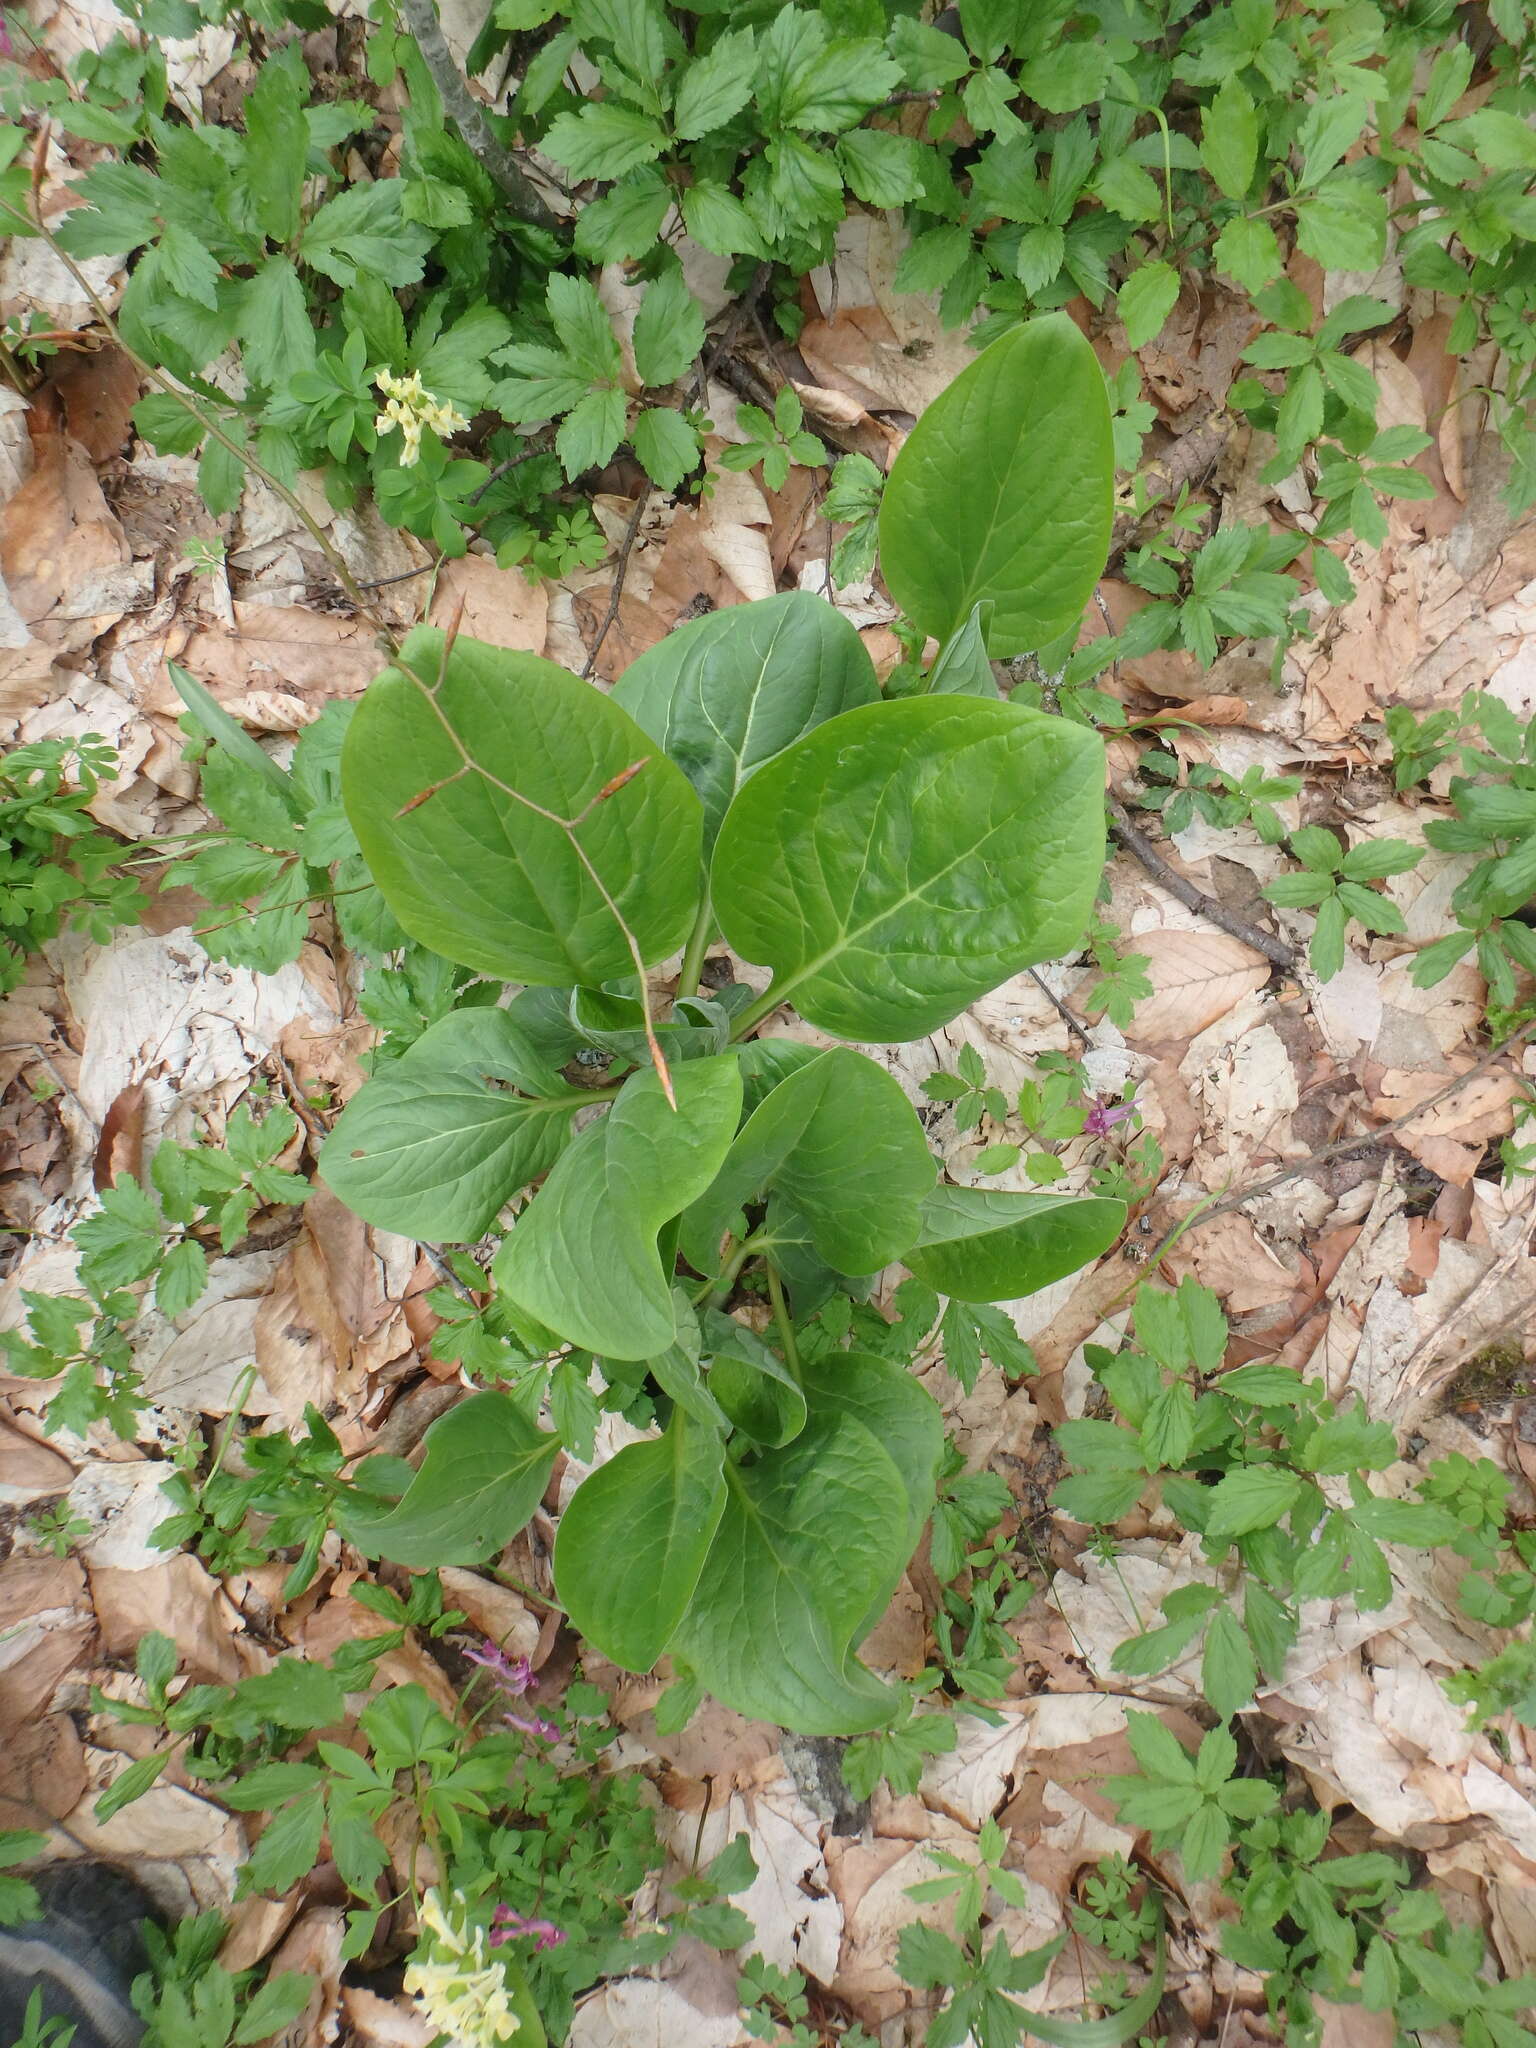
[
  {"x": 887, "y": 863},
  {"x": 645, "y": 1205}
]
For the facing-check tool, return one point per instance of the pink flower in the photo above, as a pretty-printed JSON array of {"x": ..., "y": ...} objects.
[
  {"x": 511, "y": 1675},
  {"x": 1103, "y": 1116},
  {"x": 511, "y": 1926},
  {"x": 545, "y": 1730}
]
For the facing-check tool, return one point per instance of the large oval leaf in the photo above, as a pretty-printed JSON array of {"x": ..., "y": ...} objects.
[
  {"x": 902, "y": 860},
  {"x": 583, "y": 1260},
  {"x": 978, "y": 1244},
  {"x": 806, "y": 1542},
  {"x": 901, "y": 1415},
  {"x": 726, "y": 693},
  {"x": 456, "y": 779},
  {"x": 840, "y": 1138},
  {"x": 1004, "y": 490},
  {"x": 485, "y": 1467},
  {"x": 752, "y": 1384},
  {"x": 634, "y": 1537},
  {"x": 430, "y": 1149}
]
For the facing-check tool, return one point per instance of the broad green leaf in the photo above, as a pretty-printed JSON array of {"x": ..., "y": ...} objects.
[
  {"x": 634, "y": 1537},
  {"x": 1229, "y": 138},
  {"x": 455, "y": 787},
  {"x": 715, "y": 86},
  {"x": 962, "y": 669},
  {"x": 667, "y": 447},
  {"x": 903, "y": 859},
  {"x": 1343, "y": 225},
  {"x": 431, "y": 1149},
  {"x": 277, "y": 335},
  {"x": 485, "y": 1467},
  {"x": 669, "y": 330},
  {"x": 1252, "y": 1498},
  {"x": 726, "y": 693},
  {"x": 902, "y": 1417},
  {"x": 583, "y": 1259},
  {"x": 603, "y": 140},
  {"x": 1146, "y": 299},
  {"x": 981, "y": 1245},
  {"x": 752, "y": 1384},
  {"x": 718, "y": 221},
  {"x": 806, "y": 1542},
  {"x": 1228, "y": 1672},
  {"x": 361, "y": 231},
  {"x": 1003, "y": 490},
  {"x": 840, "y": 1138},
  {"x": 277, "y": 155}
]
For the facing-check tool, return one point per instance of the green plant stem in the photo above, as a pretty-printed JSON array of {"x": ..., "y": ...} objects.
[
  {"x": 698, "y": 945},
  {"x": 781, "y": 1318},
  {"x": 736, "y": 1258},
  {"x": 241, "y": 454},
  {"x": 755, "y": 1012}
]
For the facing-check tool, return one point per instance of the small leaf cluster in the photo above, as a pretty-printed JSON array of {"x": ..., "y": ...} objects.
[
  {"x": 1494, "y": 821},
  {"x": 187, "y": 1999},
  {"x": 983, "y": 1978},
  {"x": 754, "y": 131},
  {"x": 1188, "y": 1803},
  {"x": 140, "y": 1233},
  {"x": 1202, "y": 790},
  {"x": 1334, "y": 881},
  {"x": 512, "y": 1818},
  {"x": 775, "y": 441},
  {"x": 1238, "y": 1457},
  {"x": 1231, "y": 587},
  {"x": 54, "y": 862},
  {"x": 1359, "y": 1930},
  {"x": 285, "y": 843}
]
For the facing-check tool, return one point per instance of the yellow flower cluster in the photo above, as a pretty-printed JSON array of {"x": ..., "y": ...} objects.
[
  {"x": 461, "y": 1990},
  {"x": 408, "y": 406}
]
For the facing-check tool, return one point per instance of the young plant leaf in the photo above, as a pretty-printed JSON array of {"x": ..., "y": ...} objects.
[
  {"x": 983, "y": 1245},
  {"x": 724, "y": 694},
  {"x": 840, "y": 1138},
  {"x": 1003, "y": 490},
  {"x": 752, "y": 1384},
  {"x": 485, "y": 1467},
  {"x": 902, "y": 1416},
  {"x": 456, "y": 789},
  {"x": 904, "y": 858},
  {"x": 583, "y": 1260},
  {"x": 806, "y": 1542},
  {"x": 634, "y": 1537},
  {"x": 428, "y": 1148}
]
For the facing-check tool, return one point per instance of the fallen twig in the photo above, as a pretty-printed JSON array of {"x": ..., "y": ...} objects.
[
  {"x": 469, "y": 117},
  {"x": 620, "y": 571},
  {"x": 1134, "y": 840},
  {"x": 1340, "y": 1149}
]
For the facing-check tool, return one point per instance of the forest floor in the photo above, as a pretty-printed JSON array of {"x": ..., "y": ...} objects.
[{"x": 1343, "y": 1232}]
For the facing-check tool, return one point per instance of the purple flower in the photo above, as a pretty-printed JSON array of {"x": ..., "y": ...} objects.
[
  {"x": 511, "y": 1675},
  {"x": 545, "y": 1730},
  {"x": 511, "y": 1926},
  {"x": 1103, "y": 1116}
]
